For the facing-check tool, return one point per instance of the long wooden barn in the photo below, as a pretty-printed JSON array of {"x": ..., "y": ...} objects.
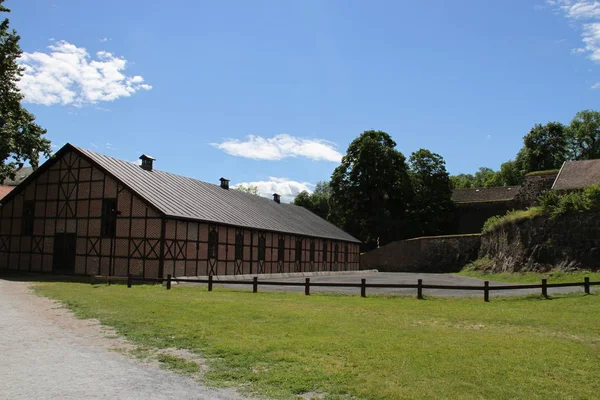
[{"x": 86, "y": 213}]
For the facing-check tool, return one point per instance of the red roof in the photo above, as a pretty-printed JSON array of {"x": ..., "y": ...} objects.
[{"x": 4, "y": 190}]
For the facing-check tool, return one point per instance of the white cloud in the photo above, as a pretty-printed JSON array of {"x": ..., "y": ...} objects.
[
  {"x": 68, "y": 75},
  {"x": 288, "y": 189},
  {"x": 104, "y": 39},
  {"x": 596, "y": 86},
  {"x": 279, "y": 147},
  {"x": 585, "y": 15}
]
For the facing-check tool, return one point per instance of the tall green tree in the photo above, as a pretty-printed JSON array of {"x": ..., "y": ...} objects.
[
  {"x": 250, "y": 189},
  {"x": 545, "y": 147},
  {"x": 484, "y": 177},
  {"x": 21, "y": 139},
  {"x": 462, "y": 181},
  {"x": 371, "y": 190},
  {"x": 432, "y": 192},
  {"x": 317, "y": 201},
  {"x": 584, "y": 135}
]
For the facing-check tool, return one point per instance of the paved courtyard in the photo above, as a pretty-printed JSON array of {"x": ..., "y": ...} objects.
[{"x": 399, "y": 278}]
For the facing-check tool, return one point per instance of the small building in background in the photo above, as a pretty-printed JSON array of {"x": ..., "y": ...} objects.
[
  {"x": 577, "y": 175},
  {"x": 87, "y": 213}
]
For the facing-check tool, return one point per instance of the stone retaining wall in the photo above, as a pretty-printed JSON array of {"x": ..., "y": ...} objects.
[{"x": 426, "y": 254}]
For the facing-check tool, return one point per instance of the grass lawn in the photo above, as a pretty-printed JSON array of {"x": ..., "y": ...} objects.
[
  {"x": 282, "y": 345},
  {"x": 533, "y": 277}
]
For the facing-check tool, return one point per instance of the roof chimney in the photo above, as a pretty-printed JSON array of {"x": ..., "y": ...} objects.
[
  {"x": 276, "y": 198},
  {"x": 147, "y": 162},
  {"x": 224, "y": 183}
]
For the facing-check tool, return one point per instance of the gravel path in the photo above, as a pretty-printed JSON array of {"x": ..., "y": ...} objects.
[
  {"x": 46, "y": 353},
  {"x": 403, "y": 278}
]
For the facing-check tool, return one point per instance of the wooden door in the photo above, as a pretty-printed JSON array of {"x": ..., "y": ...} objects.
[{"x": 64, "y": 253}]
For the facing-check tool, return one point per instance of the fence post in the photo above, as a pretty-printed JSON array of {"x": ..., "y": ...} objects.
[
  {"x": 486, "y": 291},
  {"x": 586, "y": 285},
  {"x": 92, "y": 279},
  {"x": 544, "y": 287},
  {"x": 129, "y": 279},
  {"x": 307, "y": 287},
  {"x": 169, "y": 282},
  {"x": 420, "y": 289},
  {"x": 210, "y": 283},
  {"x": 255, "y": 284},
  {"x": 363, "y": 288}
]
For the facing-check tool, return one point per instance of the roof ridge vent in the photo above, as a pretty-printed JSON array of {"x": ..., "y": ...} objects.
[
  {"x": 147, "y": 162},
  {"x": 224, "y": 183}
]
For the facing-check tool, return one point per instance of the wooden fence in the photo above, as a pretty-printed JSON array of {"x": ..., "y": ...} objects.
[{"x": 363, "y": 285}]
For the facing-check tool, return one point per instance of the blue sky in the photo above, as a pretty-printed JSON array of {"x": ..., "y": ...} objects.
[{"x": 273, "y": 91}]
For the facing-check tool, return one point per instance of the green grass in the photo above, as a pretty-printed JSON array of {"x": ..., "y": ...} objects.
[
  {"x": 546, "y": 172},
  {"x": 533, "y": 277},
  {"x": 282, "y": 345},
  {"x": 511, "y": 217},
  {"x": 178, "y": 364}
]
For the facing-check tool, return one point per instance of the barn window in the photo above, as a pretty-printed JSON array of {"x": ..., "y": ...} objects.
[
  {"x": 109, "y": 218},
  {"x": 28, "y": 218},
  {"x": 336, "y": 252},
  {"x": 298, "y": 249},
  {"x": 239, "y": 246},
  {"x": 281, "y": 250},
  {"x": 312, "y": 250},
  {"x": 262, "y": 245},
  {"x": 213, "y": 244}
]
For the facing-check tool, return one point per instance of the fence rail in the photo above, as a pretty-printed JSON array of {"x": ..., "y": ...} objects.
[{"x": 363, "y": 285}]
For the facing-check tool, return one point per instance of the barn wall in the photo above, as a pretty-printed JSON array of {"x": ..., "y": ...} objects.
[
  {"x": 186, "y": 252},
  {"x": 67, "y": 198}
]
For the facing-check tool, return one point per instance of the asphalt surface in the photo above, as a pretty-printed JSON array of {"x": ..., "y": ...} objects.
[
  {"x": 46, "y": 353},
  {"x": 400, "y": 278}
]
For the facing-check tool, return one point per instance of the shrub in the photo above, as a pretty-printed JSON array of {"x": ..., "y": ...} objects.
[
  {"x": 571, "y": 202},
  {"x": 481, "y": 264},
  {"x": 549, "y": 200},
  {"x": 592, "y": 193}
]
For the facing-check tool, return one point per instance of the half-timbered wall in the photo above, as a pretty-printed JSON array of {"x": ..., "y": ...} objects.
[
  {"x": 69, "y": 197},
  {"x": 187, "y": 251}
]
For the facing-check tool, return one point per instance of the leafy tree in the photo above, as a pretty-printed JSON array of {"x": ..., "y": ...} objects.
[
  {"x": 584, "y": 135},
  {"x": 484, "y": 177},
  {"x": 545, "y": 147},
  {"x": 371, "y": 190},
  {"x": 251, "y": 189},
  {"x": 20, "y": 138},
  {"x": 462, "y": 181},
  {"x": 510, "y": 174},
  {"x": 317, "y": 201},
  {"x": 432, "y": 192}
]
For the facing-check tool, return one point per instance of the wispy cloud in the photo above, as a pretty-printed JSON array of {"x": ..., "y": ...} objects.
[
  {"x": 67, "y": 75},
  {"x": 288, "y": 189},
  {"x": 585, "y": 16},
  {"x": 280, "y": 147},
  {"x": 104, "y": 39}
]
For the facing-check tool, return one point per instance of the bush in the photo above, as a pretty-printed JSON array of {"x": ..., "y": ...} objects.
[
  {"x": 549, "y": 200},
  {"x": 481, "y": 264},
  {"x": 592, "y": 192},
  {"x": 571, "y": 202}
]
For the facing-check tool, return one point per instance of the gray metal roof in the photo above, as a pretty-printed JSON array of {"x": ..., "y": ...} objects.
[
  {"x": 577, "y": 175},
  {"x": 485, "y": 194},
  {"x": 182, "y": 197},
  {"x": 20, "y": 176}
]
